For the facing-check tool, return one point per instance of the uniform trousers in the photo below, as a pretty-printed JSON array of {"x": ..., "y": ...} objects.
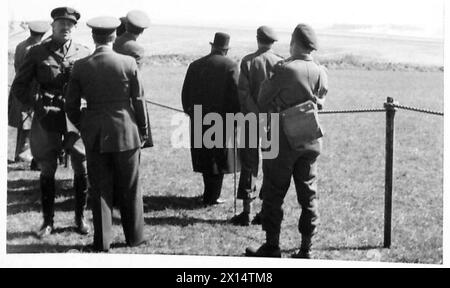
[
  {"x": 300, "y": 165},
  {"x": 249, "y": 168},
  {"x": 116, "y": 174}
]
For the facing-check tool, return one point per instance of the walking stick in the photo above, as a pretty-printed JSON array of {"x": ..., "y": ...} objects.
[{"x": 235, "y": 164}]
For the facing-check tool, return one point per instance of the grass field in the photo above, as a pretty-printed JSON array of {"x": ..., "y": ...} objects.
[{"x": 351, "y": 182}]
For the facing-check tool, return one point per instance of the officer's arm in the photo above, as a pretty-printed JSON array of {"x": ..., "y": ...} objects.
[
  {"x": 72, "y": 104},
  {"x": 23, "y": 80},
  {"x": 16, "y": 59},
  {"x": 322, "y": 85},
  {"x": 139, "y": 54},
  {"x": 138, "y": 99},
  {"x": 185, "y": 96}
]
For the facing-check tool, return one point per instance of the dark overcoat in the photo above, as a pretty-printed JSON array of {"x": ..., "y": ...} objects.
[{"x": 211, "y": 81}]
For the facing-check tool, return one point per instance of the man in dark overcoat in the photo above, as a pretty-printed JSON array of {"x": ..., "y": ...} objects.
[{"x": 211, "y": 82}]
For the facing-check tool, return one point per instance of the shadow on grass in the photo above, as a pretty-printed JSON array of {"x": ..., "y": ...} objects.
[
  {"x": 41, "y": 248},
  {"x": 52, "y": 248},
  {"x": 24, "y": 196},
  {"x": 27, "y": 234},
  {"x": 159, "y": 203},
  {"x": 184, "y": 221},
  {"x": 20, "y": 235},
  {"x": 355, "y": 248},
  {"x": 18, "y": 166},
  {"x": 343, "y": 248}
]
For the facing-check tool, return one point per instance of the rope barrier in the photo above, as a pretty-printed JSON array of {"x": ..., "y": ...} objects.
[
  {"x": 348, "y": 111},
  {"x": 165, "y": 106},
  {"x": 367, "y": 110},
  {"x": 426, "y": 111},
  {"x": 351, "y": 111}
]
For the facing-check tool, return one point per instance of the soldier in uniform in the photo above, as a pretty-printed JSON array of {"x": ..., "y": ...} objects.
[
  {"x": 20, "y": 116},
  {"x": 211, "y": 82},
  {"x": 126, "y": 43},
  {"x": 50, "y": 64},
  {"x": 136, "y": 22},
  {"x": 255, "y": 68},
  {"x": 296, "y": 80},
  {"x": 113, "y": 127}
]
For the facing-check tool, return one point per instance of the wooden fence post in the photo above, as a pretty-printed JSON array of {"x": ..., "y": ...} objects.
[{"x": 390, "y": 114}]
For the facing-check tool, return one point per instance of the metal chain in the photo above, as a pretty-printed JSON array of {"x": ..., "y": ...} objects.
[{"x": 418, "y": 109}]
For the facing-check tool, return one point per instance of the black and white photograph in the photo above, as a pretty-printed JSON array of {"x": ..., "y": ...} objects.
[{"x": 284, "y": 133}]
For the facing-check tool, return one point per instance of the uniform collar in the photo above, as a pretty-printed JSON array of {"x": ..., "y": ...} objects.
[
  {"x": 264, "y": 50},
  {"x": 32, "y": 40},
  {"x": 103, "y": 48},
  {"x": 130, "y": 36},
  {"x": 304, "y": 57},
  {"x": 65, "y": 50}
]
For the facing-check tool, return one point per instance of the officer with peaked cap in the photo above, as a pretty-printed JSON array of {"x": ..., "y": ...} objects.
[
  {"x": 295, "y": 81},
  {"x": 136, "y": 22},
  {"x": 50, "y": 64},
  {"x": 255, "y": 68},
  {"x": 211, "y": 82},
  {"x": 20, "y": 116},
  {"x": 113, "y": 128}
]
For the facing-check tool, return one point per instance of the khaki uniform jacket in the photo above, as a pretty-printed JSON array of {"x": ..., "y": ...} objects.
[
  {"x": 255, "y": 69},
  {"x": 44, "y": 63},
  {"x": 116, "y": 109},
  {"x": 295, "y": 80},
  {"x": 126, "y": 44}
]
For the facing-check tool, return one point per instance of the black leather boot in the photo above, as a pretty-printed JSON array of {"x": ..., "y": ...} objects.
[
  {"x": 48, "y": 205},
  {"x": 80, "y": 184},
  {"x": 305, "y": 248}
]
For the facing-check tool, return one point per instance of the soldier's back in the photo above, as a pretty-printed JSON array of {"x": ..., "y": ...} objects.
[{"x": 258, "y": 67}]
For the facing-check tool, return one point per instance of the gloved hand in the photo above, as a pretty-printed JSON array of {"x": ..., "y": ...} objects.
[
  {"x": 52, "y": 110},
  {"x": 144, "y": 138}
]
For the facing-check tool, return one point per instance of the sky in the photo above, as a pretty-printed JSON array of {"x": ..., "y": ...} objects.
[{"x": 426, "y": 14}]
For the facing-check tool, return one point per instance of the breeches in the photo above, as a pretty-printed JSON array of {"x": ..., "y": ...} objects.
[{"x": 46, "y": 146}]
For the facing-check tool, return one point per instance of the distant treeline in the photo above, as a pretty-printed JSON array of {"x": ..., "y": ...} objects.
[{"x": 340, "y": 62}]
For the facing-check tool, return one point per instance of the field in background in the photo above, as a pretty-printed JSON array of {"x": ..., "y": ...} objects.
[
  {"x": 334, "y": 44},
  {"x": 351, "y": 179}
]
